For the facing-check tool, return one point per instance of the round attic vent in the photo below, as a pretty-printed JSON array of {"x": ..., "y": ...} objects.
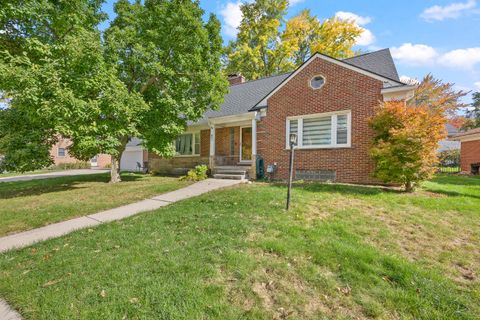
[{"x": 317, "y": 82}]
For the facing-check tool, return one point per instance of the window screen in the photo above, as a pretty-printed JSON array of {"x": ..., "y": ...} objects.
[{"x": 317, "y": 131}]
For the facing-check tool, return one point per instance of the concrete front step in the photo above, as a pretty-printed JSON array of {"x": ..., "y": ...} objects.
[
  {"x": 236, "y": 172},
  {"x": 231, "y": 172},
  {"x": 229, "y": 176}
]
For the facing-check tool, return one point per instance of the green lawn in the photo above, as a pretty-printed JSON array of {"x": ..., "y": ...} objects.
[
  {"x": 342, "y": 252},
  {"x": 30, "y": 204}
]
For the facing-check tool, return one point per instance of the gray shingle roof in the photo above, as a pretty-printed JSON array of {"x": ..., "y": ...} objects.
[
  {"x": 379, "y": 62},
  {"x": 244, "y": 97},
  {"x": 451, "y": 129}
]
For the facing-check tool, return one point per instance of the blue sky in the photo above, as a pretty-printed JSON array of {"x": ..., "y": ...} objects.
[{"x": 437, "y": 36}]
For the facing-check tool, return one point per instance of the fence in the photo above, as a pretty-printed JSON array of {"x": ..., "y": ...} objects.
[{"x": 443, "y": 169}]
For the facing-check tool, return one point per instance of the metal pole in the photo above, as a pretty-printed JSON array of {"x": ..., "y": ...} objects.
[{"x": 290, "y": 176}]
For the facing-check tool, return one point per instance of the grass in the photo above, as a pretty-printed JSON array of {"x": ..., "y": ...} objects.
[
  {"x": 26, "y": 205},
  {"x": 342, "y": 252}
]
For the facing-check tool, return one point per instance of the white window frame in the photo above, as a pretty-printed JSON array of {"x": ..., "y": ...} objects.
[
  {"x": 64, "y": 152},
  {"x": 333, "y": 144},
  {"x": 193, "y": 133}
]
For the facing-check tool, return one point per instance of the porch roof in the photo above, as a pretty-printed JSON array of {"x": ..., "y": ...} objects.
[{"x": 242, "y": 97}]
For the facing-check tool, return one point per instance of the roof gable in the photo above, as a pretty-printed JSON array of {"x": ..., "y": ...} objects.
[
  {"x": 388, "y": 82},
  {"x": 379, "y": 62}
]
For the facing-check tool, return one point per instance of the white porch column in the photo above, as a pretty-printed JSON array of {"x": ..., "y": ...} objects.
[
  {"x": 212, "y": 146},
  {"x": 253, "y": 170},
  {"x": 254, "y": 138}
]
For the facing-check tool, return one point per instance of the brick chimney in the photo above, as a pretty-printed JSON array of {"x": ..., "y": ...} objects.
[{"x": 235, "y": 78}]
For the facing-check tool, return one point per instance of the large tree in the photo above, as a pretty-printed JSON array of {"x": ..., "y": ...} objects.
[
  {"x": 266, "y": 44},
  {"x": 305, "y": 35},
  {"x": 157, "y": 68}
]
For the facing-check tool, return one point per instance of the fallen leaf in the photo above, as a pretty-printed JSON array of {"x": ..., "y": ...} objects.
[
  {"x": 103, "y": 294},
  {"x": 346, "y": 290},
  {"x": 51, "y": 282},
  {"x": 133, "y": 300}
]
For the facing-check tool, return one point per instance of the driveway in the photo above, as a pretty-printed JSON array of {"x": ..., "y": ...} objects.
[{"x": 66, "y": 173}]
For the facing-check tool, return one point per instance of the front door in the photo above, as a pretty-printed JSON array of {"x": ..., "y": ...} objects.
[{"x": 246, "y": 144}]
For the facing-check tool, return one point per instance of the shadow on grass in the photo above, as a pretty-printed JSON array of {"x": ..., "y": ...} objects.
[
  {"x": 339, "y": 188},
  {"x": 454, "y": 193},
  {"x": 9, "y": 190},
  {"x": 457, "y": 180},
  {"x": 455, "y": 186}
]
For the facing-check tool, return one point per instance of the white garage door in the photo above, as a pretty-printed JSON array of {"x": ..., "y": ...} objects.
[{"x": 131, "y": 159}]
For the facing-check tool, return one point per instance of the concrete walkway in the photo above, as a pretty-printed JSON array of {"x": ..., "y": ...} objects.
[
  {"x": 56, "y": 174},
  {"x": 24, "y": 239},
  {"x": 7, "y": 313}
]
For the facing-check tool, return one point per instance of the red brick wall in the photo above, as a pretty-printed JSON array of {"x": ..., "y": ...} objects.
[
  {"x": 222, "y": 141},
  {"x": 205, "y": 143},
  {"x": 102, "y": 159},
  {"x": 344, "y": 90},
  {"x": 62, "y": 143},
  {"x": 470, "y": 153},
  {"x": 237, "y": 79}
]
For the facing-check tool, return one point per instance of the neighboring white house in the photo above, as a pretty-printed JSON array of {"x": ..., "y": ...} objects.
[
  {"x": 134, "y": 156},
  {"x": 449, "y": 144}
]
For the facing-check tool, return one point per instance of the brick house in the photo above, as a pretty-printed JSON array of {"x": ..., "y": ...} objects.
[
  {"x": 60, "y": 155},
  {"x": 133, "y": 158},
  {"x": 326, "y": 102},
  {"x": 469, "y": 150}
]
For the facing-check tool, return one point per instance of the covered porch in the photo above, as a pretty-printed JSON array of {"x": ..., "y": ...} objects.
[
  {"x": 228, "y": 145},
  {"x": 233, "y": 145}
]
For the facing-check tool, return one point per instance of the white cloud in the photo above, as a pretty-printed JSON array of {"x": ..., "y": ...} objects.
[
  {"x": 409, "y": 80},
  {"x": 414, "y": 54},
  {"x": 477, "y": 85},
  {"x": 461, "y": 58},
  {"x": 450, "y": 11},
  {"x": 367, "y": 37},
  {"x": 232, "y": 16},
  {"x": 294, "y": 2},
  {"x": 350, "y": 16}
]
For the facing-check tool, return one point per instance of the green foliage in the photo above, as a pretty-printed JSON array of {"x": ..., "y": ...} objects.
[
  {"x": 473, "y": 115},
  {"x": 449, "y": 158},
  {"x": 157, "y": 68},
  {"x": 198, "y": 174},
  {"x": 266, "y": 45},
  {"x": 25, "y": 141},
  {"x": 405, "y": 142},
  {"x": 168, "y": 55}
]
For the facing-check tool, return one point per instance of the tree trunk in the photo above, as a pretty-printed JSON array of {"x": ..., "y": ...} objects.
[
  {"x": 115, "y": 170},
  {"x": 409, "y": 187}
]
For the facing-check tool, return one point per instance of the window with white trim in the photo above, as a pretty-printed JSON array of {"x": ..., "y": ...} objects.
[
  {"x": 327, "y": 130},
  {"x": 188, "y": 144},
  {"x": 61, "y": 152}
]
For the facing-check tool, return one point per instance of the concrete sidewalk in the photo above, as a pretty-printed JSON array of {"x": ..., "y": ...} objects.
[
  {"x": 56, "y": 174},
  {"x": 7, "y": 313},
  {"x": 24, "y": 239}
]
